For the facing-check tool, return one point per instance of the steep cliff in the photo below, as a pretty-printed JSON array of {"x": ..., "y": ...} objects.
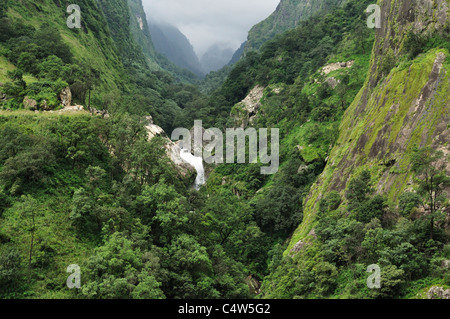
[
  {"x": 404, "y": 103},
  {"x": 393, "y": 112}
]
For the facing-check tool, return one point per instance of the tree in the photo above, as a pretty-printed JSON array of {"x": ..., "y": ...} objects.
[
  {"x": 28, "y": 210},
  {"x": 162, "y": 207},
  {"x": 431, "y": 175},
  {"x": 10, "y": 266},
  {"x": 50, "y": 42},
  {"x": 359, "y": 188},
  {"x": 91, "y": 80},
  {"x": 3, "y": 8},
  {"x": 17, "y": 87},
  {"x": 408, "y": 201},
  {"x": 27, "y": 62},
  {"x": 414, "y": 44},
  {"x": 4, "y": 202},
  {"x": 392, "y": 279},
  {"x": 51, "y": 68},
  {"x": 325, "y": 278},
  {"x": 31, "y": 166},
  {"x": 122, "y": 268}
]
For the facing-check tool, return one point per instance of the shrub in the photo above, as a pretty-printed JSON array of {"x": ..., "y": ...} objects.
[{"x": 407, "y": 202}]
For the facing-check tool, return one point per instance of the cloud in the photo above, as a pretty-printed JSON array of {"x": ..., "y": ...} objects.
[{"x": 209, "y": 22}]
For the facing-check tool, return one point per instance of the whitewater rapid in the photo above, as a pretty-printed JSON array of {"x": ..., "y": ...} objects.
[{"x": 197, "y": 163}]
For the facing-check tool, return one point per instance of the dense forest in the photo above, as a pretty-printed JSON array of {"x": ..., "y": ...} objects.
[{"x": 90, "y": 188}]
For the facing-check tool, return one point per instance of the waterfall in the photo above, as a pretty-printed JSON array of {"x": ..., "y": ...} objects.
[{"x": 197, "y": 163}]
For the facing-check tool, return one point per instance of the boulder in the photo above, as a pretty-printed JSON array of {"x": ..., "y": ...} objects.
[
  {"x": 332, "y": 82},
  {"x": 65, "y": 96},
  {"x": 44, "y": 105},
  {"x": 29, "y": 103},
  {"x": 298, "y": 246},
  {"x": 438, "y": 293}
]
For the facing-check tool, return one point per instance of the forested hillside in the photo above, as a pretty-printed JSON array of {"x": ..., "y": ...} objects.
[
  {"x": 364, "y": 171},
  {"x": 286, "y": 16},
  {"x": 383, "y": 196}
]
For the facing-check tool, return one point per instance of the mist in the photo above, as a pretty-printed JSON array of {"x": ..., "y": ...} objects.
[{"x": 211, "y": 22}]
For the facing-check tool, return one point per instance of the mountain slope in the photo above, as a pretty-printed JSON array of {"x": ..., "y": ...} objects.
[
  {"x": 215, "y": 58},
  {"x": 156, "y": 61},
  {"x": 168, "y": 40},
  {"x": 286, "y": 17},
  {"x": 403, "y": 104}
]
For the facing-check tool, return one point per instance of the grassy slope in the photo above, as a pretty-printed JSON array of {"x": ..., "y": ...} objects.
[
  {"x": 54, "y": 228},
  {"x": 96, "y": 49}
]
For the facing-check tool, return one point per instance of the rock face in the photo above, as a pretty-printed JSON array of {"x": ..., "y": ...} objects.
[
  {"x": 173, "y": 150},
  {"x": 298, "y": 246},
  {"x": 253, "y": 285},
  {"x": 438, "y": 293},
  {"x": 398, "y": 16},
  {"x": 154, "y": 130},
  {"x": 245, "y": 112},
  {"x": 394, "y": 111},
  {"x": 29, "y": 103},
  {"x": 336, "y": 66},
  {"x": 65, "y": 96},
  {"x": 141, "y": 23},
  {"x": 332, "y": 82},
  {"x": 171, "y": 42}
]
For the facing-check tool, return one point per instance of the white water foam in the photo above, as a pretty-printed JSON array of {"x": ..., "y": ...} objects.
[{"x": 197, "y": 163}]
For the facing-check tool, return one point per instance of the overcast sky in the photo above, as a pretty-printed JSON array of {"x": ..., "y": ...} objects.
[{"x": 206, "y": 22}]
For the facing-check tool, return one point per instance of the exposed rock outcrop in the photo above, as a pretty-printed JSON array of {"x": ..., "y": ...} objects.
[
  {"x": 245, "y": 112},
  {"x": 173, "y": 150},
  {"x": 65, "y": 96},
  {"x": 29, "y": 103},
  {"x": 253, "y": 285},
  {"x": 438, "y": 293},
  {"x": 336, "y": 66}
]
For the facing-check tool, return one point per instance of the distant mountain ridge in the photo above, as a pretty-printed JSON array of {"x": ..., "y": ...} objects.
[
  {"x": 216, "y": 57},
  {"x": 171, "y": 42},
  {"x": 156, "y": 61}
]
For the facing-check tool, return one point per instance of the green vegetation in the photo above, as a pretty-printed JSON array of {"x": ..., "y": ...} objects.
[
  {"x": 77, "y": 188},
  {"x": 349, "y": 238},
  {"x": 288, "y": 15}
]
